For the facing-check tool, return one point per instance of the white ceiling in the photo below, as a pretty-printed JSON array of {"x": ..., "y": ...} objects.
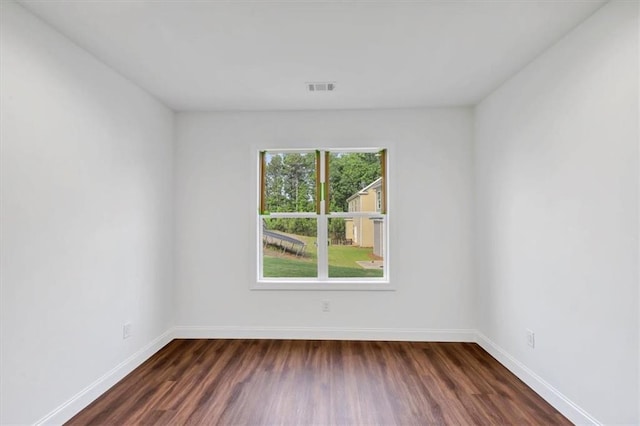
[{"x": 225, "y": 55}]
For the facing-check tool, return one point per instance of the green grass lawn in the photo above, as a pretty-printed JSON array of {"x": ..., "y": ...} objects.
[
  {"x": 286, "y": 267},
  {"x": 342, "y": 262}
]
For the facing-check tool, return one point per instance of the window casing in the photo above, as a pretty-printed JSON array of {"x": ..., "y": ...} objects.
[{"x": 310, "y": 234}]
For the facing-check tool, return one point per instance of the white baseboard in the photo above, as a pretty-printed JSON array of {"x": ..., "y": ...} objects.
[
  {"x": 560, "y": 402},
  {"x": 325, "y": 333},
  {"x": 86, "y": 396}
]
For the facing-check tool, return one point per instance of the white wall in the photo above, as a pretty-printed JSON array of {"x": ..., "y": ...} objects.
[
  {"x": 556, "y": 159},
  {"x": 86, "y": 178},
  {"x": 430, "y": 231}
]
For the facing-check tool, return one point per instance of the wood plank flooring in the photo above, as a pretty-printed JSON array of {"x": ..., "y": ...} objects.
[{"x": 298, "y": 382}]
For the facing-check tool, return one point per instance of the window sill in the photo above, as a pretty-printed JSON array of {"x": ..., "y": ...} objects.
[{"x": 334, "y": 285}]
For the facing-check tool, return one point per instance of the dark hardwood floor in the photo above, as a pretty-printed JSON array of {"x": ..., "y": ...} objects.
[{"x": 295, "y": 382}]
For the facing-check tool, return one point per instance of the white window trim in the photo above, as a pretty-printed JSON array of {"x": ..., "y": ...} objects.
[{"x": 322, "y": 282}]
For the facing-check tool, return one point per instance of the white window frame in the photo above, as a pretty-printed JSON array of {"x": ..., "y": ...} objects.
[{"x": 322, "y": 282}]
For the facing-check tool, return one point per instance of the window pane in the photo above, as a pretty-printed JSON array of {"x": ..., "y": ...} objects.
[
  {"x": 354, "y": 178},
  {"x": 356, "y": 247},
  {"x": 290, "y": 182},
  {"x": 289, "y": 248}
]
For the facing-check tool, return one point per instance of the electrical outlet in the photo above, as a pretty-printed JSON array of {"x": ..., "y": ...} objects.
[
  {"x": 126, "y": 330},
  {"x": 531, "y": 338},
  {"x": 326, "y": 306}
]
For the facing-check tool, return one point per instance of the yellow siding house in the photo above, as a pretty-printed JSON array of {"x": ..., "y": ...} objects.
[{"x": 366, "y": 231}]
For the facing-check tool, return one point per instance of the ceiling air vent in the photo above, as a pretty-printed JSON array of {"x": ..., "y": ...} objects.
[{"x": 321, "y": 87}]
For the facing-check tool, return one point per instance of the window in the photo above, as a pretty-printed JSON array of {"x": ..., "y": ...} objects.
[{"x": 322, "y": 218}]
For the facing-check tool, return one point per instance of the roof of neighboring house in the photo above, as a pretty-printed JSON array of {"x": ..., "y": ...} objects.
[{"x": 373, "y": 185}]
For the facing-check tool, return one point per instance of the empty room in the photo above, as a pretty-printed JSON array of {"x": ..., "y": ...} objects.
[{"x": 319, "y": 212}]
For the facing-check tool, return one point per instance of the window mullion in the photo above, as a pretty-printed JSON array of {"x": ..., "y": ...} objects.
[
  {"x": 323, "y": 252},
  {"x": 325, "y": 177},
  {"x": 319, "y": 188},
  {"x": 323, "y": 227}
]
